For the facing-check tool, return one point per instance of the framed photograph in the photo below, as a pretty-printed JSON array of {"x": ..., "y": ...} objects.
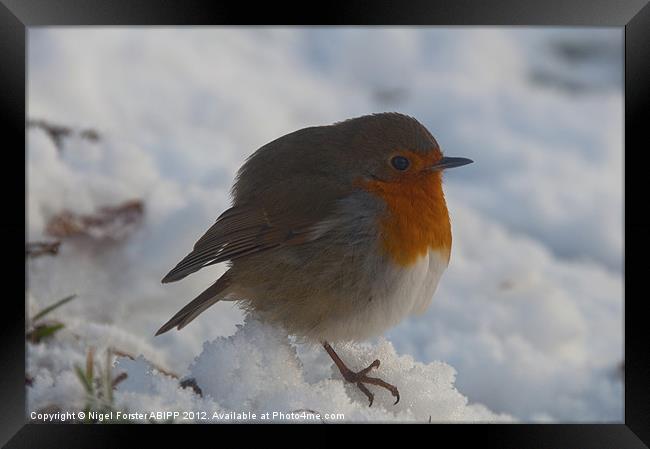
[{"x": 373, "y": 214}]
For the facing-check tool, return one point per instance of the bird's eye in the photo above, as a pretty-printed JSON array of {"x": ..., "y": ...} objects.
[{"x": 400, "y": 163}]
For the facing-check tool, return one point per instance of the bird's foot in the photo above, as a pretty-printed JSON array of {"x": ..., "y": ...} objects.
[{"x": 361, "y": 378}]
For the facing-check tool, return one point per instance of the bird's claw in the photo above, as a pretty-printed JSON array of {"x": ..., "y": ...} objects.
[{"x": 361, "y": 378}]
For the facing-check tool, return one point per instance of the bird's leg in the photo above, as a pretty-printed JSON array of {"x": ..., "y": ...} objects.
[{"x": 360, "y": 378}]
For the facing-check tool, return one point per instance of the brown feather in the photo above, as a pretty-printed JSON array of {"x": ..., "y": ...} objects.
[
  {"x": 209, "y": 296},
  {"x": 239, "y": 232}
]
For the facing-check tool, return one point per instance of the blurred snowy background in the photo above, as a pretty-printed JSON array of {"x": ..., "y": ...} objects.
[{"x": 135, "y": 136}]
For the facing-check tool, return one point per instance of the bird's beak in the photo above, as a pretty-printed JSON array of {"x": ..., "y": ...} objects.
[{"x": 450, "y": 162}]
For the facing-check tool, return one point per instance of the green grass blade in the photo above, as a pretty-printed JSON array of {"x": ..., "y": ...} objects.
[
  {"x": 56, "y": 305},
  {"x": 84, "y": 379},
  {"x": 42, "y": 332}
]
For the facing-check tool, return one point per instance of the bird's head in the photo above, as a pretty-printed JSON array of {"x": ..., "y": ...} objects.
[
  {"x": 389, "y": 148},
  {"x": 398, "y": 161}
]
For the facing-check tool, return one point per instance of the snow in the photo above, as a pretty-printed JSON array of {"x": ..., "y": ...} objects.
[
  {"x": 529, "y": 313},
  {"x": 258, "y": 371}
]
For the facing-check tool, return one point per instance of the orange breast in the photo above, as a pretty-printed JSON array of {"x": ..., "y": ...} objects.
[{"x": 417, "y": 219}]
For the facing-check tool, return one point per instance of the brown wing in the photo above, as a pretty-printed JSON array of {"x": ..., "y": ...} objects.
[{"x": 238, "y": 232}]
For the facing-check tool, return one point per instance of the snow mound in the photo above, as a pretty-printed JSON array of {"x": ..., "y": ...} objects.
[{"x": 259, "y": 372}]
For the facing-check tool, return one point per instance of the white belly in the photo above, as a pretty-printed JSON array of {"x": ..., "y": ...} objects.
[
  {"x": 409, "y": 290},
  {"x": 396, "y": 293}
]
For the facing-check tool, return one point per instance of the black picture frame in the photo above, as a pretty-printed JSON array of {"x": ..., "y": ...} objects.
[{"x": 634, "y": 15}]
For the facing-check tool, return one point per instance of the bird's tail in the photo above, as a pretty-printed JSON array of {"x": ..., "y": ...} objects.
[{"x": 198, "y": 305}]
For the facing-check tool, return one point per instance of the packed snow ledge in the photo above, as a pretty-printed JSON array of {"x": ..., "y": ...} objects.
[{"x": 256, "y": 375}]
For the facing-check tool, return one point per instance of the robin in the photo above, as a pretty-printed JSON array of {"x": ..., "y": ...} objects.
[{"x": 335, "y": 232}]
